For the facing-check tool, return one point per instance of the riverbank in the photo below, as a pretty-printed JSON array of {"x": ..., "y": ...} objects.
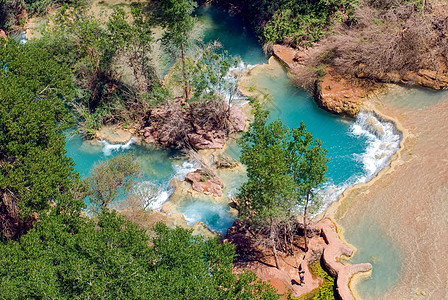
[{"x": 407, "y": 201}]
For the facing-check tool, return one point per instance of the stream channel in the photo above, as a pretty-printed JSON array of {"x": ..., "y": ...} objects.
[{"x": 358, "y": 148}]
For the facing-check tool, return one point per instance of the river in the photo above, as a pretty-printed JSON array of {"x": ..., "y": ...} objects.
[{"x": 358, "y": 149}]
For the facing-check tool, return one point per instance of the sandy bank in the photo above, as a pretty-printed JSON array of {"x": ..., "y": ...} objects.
[{"x": 408, "y": 200}]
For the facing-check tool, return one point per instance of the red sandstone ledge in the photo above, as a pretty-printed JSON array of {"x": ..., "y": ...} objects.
[{"x": 334, "y": 249}]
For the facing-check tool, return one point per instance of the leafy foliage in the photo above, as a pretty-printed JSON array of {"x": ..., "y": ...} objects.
[
  {"x": 72, "y": 258},
  {"x": 295, "y": 22},
  {"x": 326, "y": 289},
  {"x": 283, "y": 167},
  {"x": 177, "y": 19},
  {"x": 111, "y": 178},
  {"x": 14, "y": 12},
  {"x": 34, "y": 170},
  {"x": 95, "y": 53},
  {"x": 41, "y": 7}
]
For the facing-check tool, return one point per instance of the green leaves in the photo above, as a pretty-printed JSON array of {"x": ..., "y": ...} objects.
[
  {"x": 33, "y": 93},
  {"x": 111, "y": 179},
  {"x": 297, "y": 22},
  {"x": 73, "y": 258},
  {"x": 177, "y": 20},
  {"x": 282, "y": 166}
]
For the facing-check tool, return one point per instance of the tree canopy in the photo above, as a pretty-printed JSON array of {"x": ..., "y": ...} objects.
[
  {"x": 284, "y": 166},
  {"x": 34, "y": 170},
  {"x": 109, "y": 258}
]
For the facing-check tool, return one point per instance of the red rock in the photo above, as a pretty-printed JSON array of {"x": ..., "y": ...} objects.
[
  {"x": 237, "y": 118},
  {"x": 336, "y": 248},
  {"x": 337, "y": 95},
  {"x": 206, "y": 183},
  {"x": 210, "y": 140}
]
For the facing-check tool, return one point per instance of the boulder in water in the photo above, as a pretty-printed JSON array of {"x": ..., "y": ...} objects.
[{"x": 205, "y": 182}]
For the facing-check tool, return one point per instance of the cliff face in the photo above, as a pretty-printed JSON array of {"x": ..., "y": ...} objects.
[
  {"x": 338, "y": 95},
  {"x": 333, "y": 93}
]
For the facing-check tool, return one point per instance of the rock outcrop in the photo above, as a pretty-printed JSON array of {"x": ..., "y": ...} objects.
[
  {"x": 207, "y": 140},
  {"x": 176, "y": 126},
  {"x": 205, "y": 182},
  {"x": 437, "y": 80},
  {"x": 332, "y": 252},
  {"x": 113, "y": 134},
  {"x": 338, "y": 95},
  {"x": 333, "y": 93},
  {"x": 3, "y": 35},
  {"x": 324, "y": 242},
  {"x": 223, "y": 160}
]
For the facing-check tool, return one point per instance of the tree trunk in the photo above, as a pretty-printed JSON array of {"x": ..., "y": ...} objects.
[
  {"x": 304, "y": 220},
  {"x": 274, "y": 249},
  {"x": 184, "y": 74}
]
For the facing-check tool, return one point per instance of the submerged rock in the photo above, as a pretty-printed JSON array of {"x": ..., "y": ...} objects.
[
  {"x": 222, "y": 160},
  {"x": 113, "y": 134}
]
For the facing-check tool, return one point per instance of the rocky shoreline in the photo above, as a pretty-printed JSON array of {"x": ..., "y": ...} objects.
[
  {"x": 336, "y": 94},
  {"x": 331, "y": 246}
]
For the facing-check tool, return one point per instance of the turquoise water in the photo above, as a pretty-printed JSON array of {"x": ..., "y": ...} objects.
[
  {"x": 156, "y": 164},
  {"x": 374, "y": 246},
  {"x": 214, "y": 216},
  {"x": 293, "y": 105},
  {"x": 347, "y": 146},
  {"x": 357, "y": 149},
  {"x": 235, "y": 36}
]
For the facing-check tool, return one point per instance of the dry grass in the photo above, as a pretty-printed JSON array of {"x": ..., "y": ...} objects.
[{"x": 398, "y": 39}]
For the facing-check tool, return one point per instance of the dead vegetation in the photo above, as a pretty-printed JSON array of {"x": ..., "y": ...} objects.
[
  {"x": 383, "y": 37},
  {"x": 177, "y": 123}
]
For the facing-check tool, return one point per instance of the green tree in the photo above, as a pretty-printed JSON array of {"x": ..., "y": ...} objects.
[
  {"x": 284, "y": 166},
  {"x": 34, "y": 170},
  {"x": 178, "y": 23},
  {"x": 189, "y": 267},
  {"x": 211, "y": 78},
  {"x": 79, "y": 40},
  {"x": 133, "y": 38},
  {"x": 268, "y": 197},
  {"x": 67, "y": 257},
  {"x": 307, "y": 162},
  {"x": 111, "y": 179}
]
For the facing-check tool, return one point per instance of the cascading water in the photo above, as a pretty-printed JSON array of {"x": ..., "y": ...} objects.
[
  {"x": 382, "y": 140},
  {"x": 158, "y": 166},
  {"x": 19, "y": 36},
  {"x": 358, "y": 150}
]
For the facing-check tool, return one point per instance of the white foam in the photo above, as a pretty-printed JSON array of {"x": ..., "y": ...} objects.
[
  {"x": 108, "y": 148},
  {"x": 157, "y": 203},
  {"x": 383, "y": 140},
  {"x": 236, "y": 98},
  {"x": 164, "y": 192},
  {"x": 182, "y": 170}
]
